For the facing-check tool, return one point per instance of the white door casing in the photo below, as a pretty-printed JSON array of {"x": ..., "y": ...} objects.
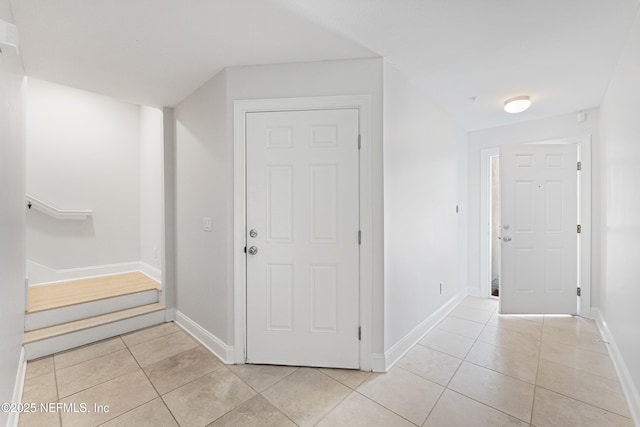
[
  {"x": 539, "y": 235},
  {"x": 302, "y": 200}
]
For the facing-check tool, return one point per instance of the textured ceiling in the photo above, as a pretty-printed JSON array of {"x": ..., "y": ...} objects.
[{"x": 561, "y": 53}]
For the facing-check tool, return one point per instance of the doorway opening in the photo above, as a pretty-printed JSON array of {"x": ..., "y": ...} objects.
[{"x": 490, "y": 220}]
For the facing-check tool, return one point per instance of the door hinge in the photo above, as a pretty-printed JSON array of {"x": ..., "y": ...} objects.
[
  {"x": 359, "y": 333},
  {"x": 578, "y": 292},
  {"x": 359, "y": 237},
  {"x": 579, "y": 166},
  {"x": 579, "y": 228},
  {"x": 359, "y": 142}
]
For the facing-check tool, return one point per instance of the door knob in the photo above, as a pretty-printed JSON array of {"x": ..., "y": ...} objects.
[
  {"x": 506, "y": 239},
  {"x": 253, "y": 250}
]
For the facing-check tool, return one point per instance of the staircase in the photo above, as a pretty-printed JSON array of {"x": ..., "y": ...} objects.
[{"x": 70, "y": 314}]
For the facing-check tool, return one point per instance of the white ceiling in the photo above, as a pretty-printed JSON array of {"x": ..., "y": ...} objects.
[
  {"x": 156, "y": 52},
  {"x": 560, "y": 52}
]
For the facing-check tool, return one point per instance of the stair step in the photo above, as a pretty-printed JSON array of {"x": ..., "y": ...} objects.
[
  {"x": 56, "y": 316},
  {"x": 74, "y": 292},
  {"x": 91, "y": 322}
]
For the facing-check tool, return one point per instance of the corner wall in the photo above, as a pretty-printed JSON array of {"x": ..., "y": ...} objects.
[
  {"x": 150, "y": 171},
  {"x": 203, "y": 190},
  {"x": 620, "y": 209},
  {"x": 83, "y": 152},
  {"x": 205, "y": 176},
  {"x": 422, "y": 231},
  {"x": 12, "y": 218}
]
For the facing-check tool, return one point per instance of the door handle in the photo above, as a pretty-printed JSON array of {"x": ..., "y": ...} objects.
[
  {"x": 506, "y": 239},
  {"x": 253, "y": 250}
]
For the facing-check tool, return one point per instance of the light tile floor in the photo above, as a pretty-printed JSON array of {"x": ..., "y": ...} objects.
[{"x": 476, "y": 368}]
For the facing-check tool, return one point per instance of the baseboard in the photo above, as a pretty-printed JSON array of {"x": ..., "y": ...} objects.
[
  {"x": 405, "y": 344},
  {"x": 377, "y": 362},
  {"x": 628, "y": 387},
  {"x": 215, "y": 345},
  {"x": 42, "y": 275},
  {"x": 12, "y": 421},
  {"x": 151, "y": 271}
]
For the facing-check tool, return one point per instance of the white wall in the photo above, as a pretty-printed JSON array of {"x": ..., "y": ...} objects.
[
  {"x": 204, "y": 131},
  {"x": 151, "y": 141},
  {"x": 12, "y": 220},
  {"x": 421, "y": 226},
  {"x": 536, "y": 130},
  {"x": 620, "y": 207},
  {"x": 82, "y": 153},
  {"x": 203, "y": 189}
]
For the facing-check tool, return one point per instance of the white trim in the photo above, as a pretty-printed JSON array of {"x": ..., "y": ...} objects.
[
  {"x": 484, "y": 286},
  {"x": 71, "y": 313},
  {"x": 241, "y": 108},
  {"x": 44, "y": 207},
  {"x": 214, "y": 344},
  {"x": 399, "y": 349},
  {"x": 377, "y": 362},
  {"x": 150, "y": 271},
  {"x": 18, "y": 387},
  {"x": 584, "y": 155},
  {"x": 47, "y": 346},
  {"x": 40, "y": 274},
  {"x": 628, "y": 387}
]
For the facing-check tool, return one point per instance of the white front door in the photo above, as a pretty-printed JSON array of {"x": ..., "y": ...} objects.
[
  {"x": 539, "y": 228},
  {"x": 302, "y": 238}
]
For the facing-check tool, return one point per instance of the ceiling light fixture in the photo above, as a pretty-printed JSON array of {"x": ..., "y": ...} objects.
[{"x": 517, "y": 104}]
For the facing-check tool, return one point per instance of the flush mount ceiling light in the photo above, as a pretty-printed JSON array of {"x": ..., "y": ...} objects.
[{"x": 517, "y": 104}]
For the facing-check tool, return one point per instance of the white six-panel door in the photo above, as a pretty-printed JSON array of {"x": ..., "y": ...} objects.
[
  {"x": 302, "y": 238},
  {"x": 539, "y": 228}
]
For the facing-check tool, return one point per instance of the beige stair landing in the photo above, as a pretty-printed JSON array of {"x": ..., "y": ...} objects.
[{"x": 65, "y": 294}]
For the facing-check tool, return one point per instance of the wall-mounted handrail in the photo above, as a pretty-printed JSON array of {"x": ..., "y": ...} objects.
[{"x": 44, "y": 207}]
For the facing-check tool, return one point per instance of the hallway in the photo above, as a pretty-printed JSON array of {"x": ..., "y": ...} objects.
[{"x": 475, "y": 368}]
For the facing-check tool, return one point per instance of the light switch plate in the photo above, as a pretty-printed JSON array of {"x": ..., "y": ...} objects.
[{"x": 207, "y": 224}]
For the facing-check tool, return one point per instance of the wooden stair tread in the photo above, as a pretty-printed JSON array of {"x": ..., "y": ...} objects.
[
  {"x": 78, "y": 325},
  {"x": 73, "y": 292}
]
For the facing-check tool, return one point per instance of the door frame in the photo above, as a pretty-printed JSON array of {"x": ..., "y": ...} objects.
[
  {"x": 241, "y": 108},
  {"x": 584, "y": 217}
]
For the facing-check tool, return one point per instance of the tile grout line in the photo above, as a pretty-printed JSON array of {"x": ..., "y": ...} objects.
[
  {"x": 55, "y": 377},
  {"x": 388, "y": 409},
  {"x": 152, "y": 385},
  {"x": 535, "y": 383},
  {"x": 471, "y": 398},
  {"x": 148, "y": 328},
  {"x": 99, "y": 383},
  {"x": 87, "y": 346},
  {"x": 446, "y": 387},
  {"x": 259, "y": 393},
  {"x": 585, "y": 403}
]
